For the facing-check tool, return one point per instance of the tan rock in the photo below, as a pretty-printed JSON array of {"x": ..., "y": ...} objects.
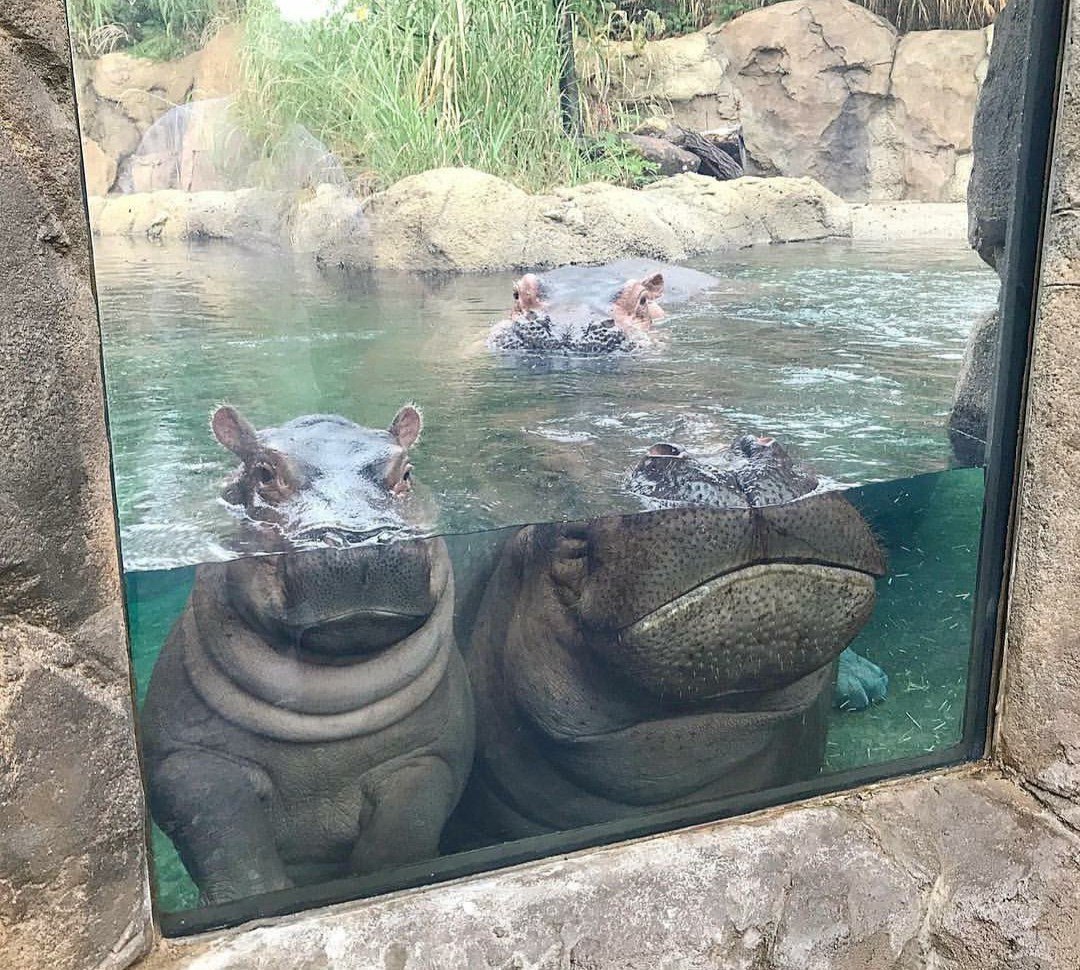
[
  {"x": 810, "y": 75},
  {"x": 143, "y": 89},
  {"x": 687, "y": 75},
  {"x": 463, "y": 220},
  {"x": 217, "y": 74},
  {"x": 99, "y": 168},
  {"x": 935, "y": 83},
  {"x": 333, "y": 228}
]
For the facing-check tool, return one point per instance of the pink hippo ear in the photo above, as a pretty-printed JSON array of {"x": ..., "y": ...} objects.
[
  {"x": 654, "y": 285},
  {"x": 405, "y": 428},
  {"x": 235, "y": 432}
]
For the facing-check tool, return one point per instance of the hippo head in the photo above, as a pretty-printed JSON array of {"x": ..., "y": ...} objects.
[
  {"x": 324, "y": 492},
  {"x": 637, "y": 302},
  {"x": 748, "y": 580}
]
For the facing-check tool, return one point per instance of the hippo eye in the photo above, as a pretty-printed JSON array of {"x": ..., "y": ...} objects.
[
  {"x": 517, "y": 293},
  {"x": 644, "y": 299}
]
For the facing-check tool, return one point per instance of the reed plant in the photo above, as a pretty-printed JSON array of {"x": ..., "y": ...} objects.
[
  {"x": 158, "y": 28},
  {"x": 402, "y": 86}
]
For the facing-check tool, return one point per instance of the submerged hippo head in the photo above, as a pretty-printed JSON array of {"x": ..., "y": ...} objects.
[
  {"x": 318, "y": 489},
  {"x": 754, "y": 581},
  {"x": 619, "y": 324}
]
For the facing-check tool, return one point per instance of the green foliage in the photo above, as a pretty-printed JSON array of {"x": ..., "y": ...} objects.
[
  {"x": 402, "y": 86},
  {"x": 159, "y": 29}
]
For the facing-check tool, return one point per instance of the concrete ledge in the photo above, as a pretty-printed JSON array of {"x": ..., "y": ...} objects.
[
  {"x": 880, "y": 221},
  {"x": 959, "y": 869}
]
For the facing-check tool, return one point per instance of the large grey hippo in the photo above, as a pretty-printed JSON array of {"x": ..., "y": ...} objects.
[
  {"x": 639, "y": 662},
  {"x": 591, "y": 310},
  {"x": 309, "y": 716}
]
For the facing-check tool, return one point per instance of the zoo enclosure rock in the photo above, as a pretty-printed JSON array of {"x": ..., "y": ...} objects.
[
  {"x": 826, "y": 89},
  {"x": 73, "y": 875},
  {"x": 960, "y": 870},
  {"x": 462, "y": 220}
]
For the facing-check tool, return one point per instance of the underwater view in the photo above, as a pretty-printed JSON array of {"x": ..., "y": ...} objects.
[
  {"x": 513, "y": 453},
  {"x": 823, "y": 346}
]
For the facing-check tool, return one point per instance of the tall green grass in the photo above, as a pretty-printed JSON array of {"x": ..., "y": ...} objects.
[
  {"x": 402, "y": 86},
  {"x": 159, "y": 28}
]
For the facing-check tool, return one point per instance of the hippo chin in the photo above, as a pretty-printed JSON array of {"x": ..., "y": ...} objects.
[
  {"x": 641, "y": 662},
  {"x": 754, "y": 471},
  {"x": 560, "y": 313},
  {"x": 309, "y": 716}
]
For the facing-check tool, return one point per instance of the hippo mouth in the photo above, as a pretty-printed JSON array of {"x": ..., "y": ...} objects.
[
  {"x": 753, "y": 628},
  {"x": 364, "y": 630}
]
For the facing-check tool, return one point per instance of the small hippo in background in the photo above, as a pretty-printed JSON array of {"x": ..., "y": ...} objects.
[
  {"x": 586, "y": 311},
  {"x": 635, "y": 663},
  {"x": 309, "y": 716},
  {"x": 757, "y": 471}
]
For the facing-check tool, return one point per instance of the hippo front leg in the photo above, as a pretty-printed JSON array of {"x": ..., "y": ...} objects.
[
  {"x": 859, "y": 682},
  {"x": 408, "y": 811},
  {"x": 210, "y": 808}
]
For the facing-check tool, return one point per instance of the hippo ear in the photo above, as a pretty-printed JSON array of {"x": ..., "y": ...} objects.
[
  {"x": 654, "y": 285},
  {"x": 234, "y": 431},
  {"x": 405, "y": 427}
]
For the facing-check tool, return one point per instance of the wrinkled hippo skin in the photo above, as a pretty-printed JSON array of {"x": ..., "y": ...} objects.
[
  {"x": 309, "y": 716},
  {"x": 641, "y": 662},
  {"x": 589, "y": 311},
  {"x": 759, "y": 472}
]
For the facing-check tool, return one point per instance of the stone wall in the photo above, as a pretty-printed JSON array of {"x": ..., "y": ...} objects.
[
  {"x": 73, "y": 876},
  {"x": 975, "y": 868},
  {"x": 826, "y": 89}
]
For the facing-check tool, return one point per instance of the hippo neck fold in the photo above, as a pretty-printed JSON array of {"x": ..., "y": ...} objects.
[{"x": 245, "y": 680}]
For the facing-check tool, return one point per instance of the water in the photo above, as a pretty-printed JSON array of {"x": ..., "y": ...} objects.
[
  {"x": 848, "y": 354},
  {"x": 828, "y": 347},
  {"x": 920, "y": 633}
]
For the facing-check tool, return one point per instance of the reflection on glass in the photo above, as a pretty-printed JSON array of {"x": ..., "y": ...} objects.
[{"x": 684, "y": 525}]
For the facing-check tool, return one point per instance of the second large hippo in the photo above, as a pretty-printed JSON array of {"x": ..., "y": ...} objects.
[
  {"x": 309, "y": 716},
  {"x": 639, "y": 662},
  {"x": 591, "y": 310}
]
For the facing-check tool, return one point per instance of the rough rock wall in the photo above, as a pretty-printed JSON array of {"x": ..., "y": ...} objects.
[
  {"x": 121, "y": 96},
  {"x": 996, "y": 152},
  {"x": 826, "y": 89},
  {"x": 1040, "y": 722},
  {"x": 73, "y": 891}
]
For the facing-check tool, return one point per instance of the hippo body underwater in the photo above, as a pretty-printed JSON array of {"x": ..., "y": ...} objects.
[
  {"x": 635, "y": 663},
  {"x": 309, "y": 716},
  {"x": 589, "y": 311}
]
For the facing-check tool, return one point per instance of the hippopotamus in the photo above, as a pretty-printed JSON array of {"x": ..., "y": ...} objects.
[
  {"x": 669, "y": 475},
  {"x": 640, "y": 662},
  {"x": 309, "y": 716},
  {"x": 586, "y": 311}
]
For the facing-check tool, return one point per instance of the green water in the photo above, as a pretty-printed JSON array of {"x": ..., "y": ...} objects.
[
  {"x": 920, "y": 632},
  {"x": 847, "y": 354}
]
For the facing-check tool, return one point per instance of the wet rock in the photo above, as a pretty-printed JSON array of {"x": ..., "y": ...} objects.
[
  {"x": 669, "y": 159},
  {"x": 464, "y": 220},
  {"x": 996, "y": 138},
  {"x": 332, "y": 227},
  {"x": 971, "y": 401}
]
